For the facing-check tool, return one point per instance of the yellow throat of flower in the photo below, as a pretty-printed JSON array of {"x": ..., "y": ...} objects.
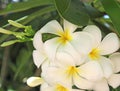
[
  {"x": 94, "y": 54},
  {"x": 65, "y": 37},
  {"x": 60, "y": 88},
  {"x": 72, "y": 71}
]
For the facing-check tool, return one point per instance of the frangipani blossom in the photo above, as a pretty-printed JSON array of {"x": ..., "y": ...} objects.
[
  {"x": 57, "y": 87},
  {"x": 114, "y": 79},
  {"x": 70, "y": 74},
  {"x": 40, "y": 55},
  {"x": 107, "y": 46},
  {"x": 36, "y": 81},
  {"x": 67, "y": 38},
  {"x": 77, "y": 58}
]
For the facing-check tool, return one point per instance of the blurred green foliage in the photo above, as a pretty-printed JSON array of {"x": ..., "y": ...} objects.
[{"x": 16, "y": 62}]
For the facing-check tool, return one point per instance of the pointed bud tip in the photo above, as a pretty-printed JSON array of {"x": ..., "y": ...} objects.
[{"x": 34, "y": 81}]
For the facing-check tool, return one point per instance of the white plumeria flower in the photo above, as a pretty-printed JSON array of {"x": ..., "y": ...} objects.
[
  {"x": 66, "y": 71},
  {"x": 40, "y": 54},
  {"x": 57, "y": 87},
  {"x": 67, "y": 39},
  {"x": 36, "y": 81},
  {"x": 107, "y": 46},
  {"x": 114, "y": 79}
]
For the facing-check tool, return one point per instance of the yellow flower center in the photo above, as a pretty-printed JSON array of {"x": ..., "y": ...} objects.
[
  {"x": 65, "y": 37},
  {"x": 61, "y": 88},
  {"x": 72, "y": 71},
  {"x": 94, "y": 54}
]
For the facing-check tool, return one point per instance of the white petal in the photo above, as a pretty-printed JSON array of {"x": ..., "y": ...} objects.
[
  {"x": 95, "y": 32},
  {"x": 101, "y": 86},
  {"x": 69, "y": 26},
  {"x": 76, "y": 90},
  {"x": 37, "y": 41},
  {"x": 43, "y": 86},
  {"x": 115, "y": 58},
  {"x": 82, "y": 83},
  {"x": 45, "y": 65},
  {"x": 64, "y": 59},
  {"x": 46, "y": 87},
  {"x": 106, "y": 66},
  {"x": 53, "y": 87},
  {"x": 52, "y": 27},
  {"x": 49, "y": 74},
  {"x": 38, "y": 57},
  {"x": 51, "y": 47},
  {"x": 34, "y": 81},
  {"x": 82, "y": 42},
  {"x": 109, "y": 44},
  {"x": 114, "y": 80},
  {"x": 91, "y": 71},
  {"x": 69, "y": 49},
  {"x": 53, "y": 75}
]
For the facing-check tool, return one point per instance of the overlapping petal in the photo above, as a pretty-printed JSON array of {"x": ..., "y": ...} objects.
[
  {"x": 91, "y": 71},
  {"x": 69, "y": 26},
  {"x": 101, "y": 85},
  {"x": 82, "y": 83},
  {"x": 76, "y": 90},
  {"x": 46, "y": 87},
  {"x": 37, "y": 41},
  {"x": 39, "y": 57},
  {"x": 64, "y": 60},
  {"x": 106, "y": 66},
  {"x": 115, "y": 59},
  {"x": 52, "y": 27},
  {"x": 57, "y": 75},
  {"x": 72, "y": 52},
  {"x": 51, "y": 47},
  {"x": 95, "y": 31},
  {"x": 82, "y": 42},
  {"x": 114, "y": 80},
  {"x": 109, "y": 44}
]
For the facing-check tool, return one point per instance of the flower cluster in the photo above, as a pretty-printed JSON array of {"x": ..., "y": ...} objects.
[{"x": 76, "y": 60}]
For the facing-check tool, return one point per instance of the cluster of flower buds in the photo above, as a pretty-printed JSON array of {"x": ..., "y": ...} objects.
[{"x": 75, "y": 60}]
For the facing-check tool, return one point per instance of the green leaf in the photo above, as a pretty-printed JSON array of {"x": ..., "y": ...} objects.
[
  {"x": 113, "y": 10},
  {"x": 93, "y": 12},
  {"x": 17, "y": 7},
  {"x": 73, "y": 11},
  {"x": 23, "y": 58},
  {"x": 9, "y": 43},
  {"x": 37, "y": 14}
]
